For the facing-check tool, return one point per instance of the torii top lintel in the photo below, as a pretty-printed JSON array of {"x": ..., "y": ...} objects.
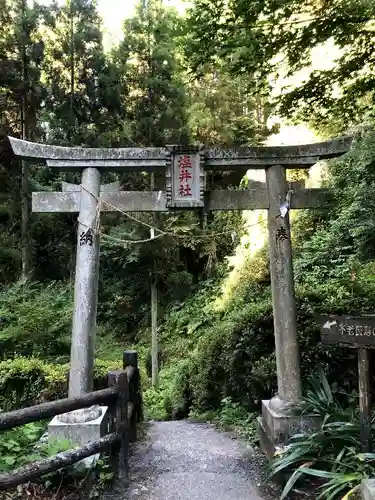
[{"x": 147, "y": 159}]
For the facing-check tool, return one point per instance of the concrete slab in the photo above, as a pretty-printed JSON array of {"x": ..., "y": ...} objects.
[{"x": 79, "y": 432}]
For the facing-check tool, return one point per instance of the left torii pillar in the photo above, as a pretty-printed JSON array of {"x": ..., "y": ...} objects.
[
  {"x": 86, "y": 196},
  {"x": 81, "y": 373},
  {"x": 85, "y": 286}
]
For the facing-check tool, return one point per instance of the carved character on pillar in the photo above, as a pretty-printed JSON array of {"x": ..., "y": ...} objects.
[
  {"x": 86, "y": 238},
  {"x": 281, "y": 234}
]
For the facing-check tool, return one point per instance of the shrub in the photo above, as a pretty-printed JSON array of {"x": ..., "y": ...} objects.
[
  {"x": 234, "y": 417},
  {"x": 172, "y": 398},
  {"x": 232, "y": 357},
  {"x": 28, "y": 381},
  {"x": 21, "y": 446}
]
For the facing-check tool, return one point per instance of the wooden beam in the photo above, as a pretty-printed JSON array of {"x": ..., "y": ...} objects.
[
  {"x": 259, "y": 163},
  {"x": 46, "y": 465},
  {"x": 214, "y": 164},
  {"x": 155, "y": 201},
  {"x": 46, "y": 201},
  {"x": 29, "y": 149},
  {"x": 310, "y": 198},
  {"x": 246, "y": 199},
  {"x": 50, "y": 409},
  {"x": 272, "y": 154}
]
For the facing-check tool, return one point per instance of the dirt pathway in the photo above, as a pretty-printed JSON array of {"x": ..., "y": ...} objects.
[{"x": 181, "y": 460}]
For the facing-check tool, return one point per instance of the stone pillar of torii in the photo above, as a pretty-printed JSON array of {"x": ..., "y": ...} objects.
[{"x": 185, "y": 170}]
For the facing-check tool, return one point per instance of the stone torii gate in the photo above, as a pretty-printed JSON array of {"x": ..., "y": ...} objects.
[{"x": 185, "y": 172}]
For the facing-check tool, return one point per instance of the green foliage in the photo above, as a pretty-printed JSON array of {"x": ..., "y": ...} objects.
[
  {"x": 17, "y": 445},
  {"x": 29, "y": 381},
  {"x": 233, "y": 417},
  {"x": 272, "y": 39},
  {"x": 171, "y": 400},
  {"x": 211, "y": 355},
  {"x": 35, "y": 319},
  {"x": 331, "y": 453},
  {"x": 22, "y": 446},
  {"x": 223, "y": 111},
  {"x": 149, "y": 56},
  {"x": 334, "y": 251},
  {"x": 82, "y": 103}
]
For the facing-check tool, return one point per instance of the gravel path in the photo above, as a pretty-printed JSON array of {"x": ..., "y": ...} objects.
[{"x": 182, "y": 460}]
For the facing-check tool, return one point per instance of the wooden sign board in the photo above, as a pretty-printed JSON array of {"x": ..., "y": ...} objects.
[
  {"x": 358, "y": 331},
  {"x": 185, "y": 178}
]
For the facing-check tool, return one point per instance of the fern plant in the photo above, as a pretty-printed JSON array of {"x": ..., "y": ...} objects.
[{"x": 331, "y": 455}]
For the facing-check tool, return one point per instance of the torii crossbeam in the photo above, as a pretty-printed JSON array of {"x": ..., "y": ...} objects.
[{"x": 185, "y": 169}]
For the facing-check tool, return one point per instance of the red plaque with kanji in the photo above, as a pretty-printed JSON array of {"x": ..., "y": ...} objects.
[{"x": 186, "y": 178}]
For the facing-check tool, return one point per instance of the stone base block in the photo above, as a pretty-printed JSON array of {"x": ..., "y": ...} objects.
[
  {"x": 79, "y": 432},
  {"x": 275, "y": 428},
  {"x": 368, "y": 489},
  {"x": 266, "y": 444}
]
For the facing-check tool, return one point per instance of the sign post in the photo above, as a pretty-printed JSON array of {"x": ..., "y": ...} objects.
[{"x": 357, "y": 332}]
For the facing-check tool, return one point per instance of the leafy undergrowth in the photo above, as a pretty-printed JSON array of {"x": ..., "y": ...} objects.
[
  {"x": 17, "y": 446},
  {"x": 21, "y": 446},
  {"x": 69, "y": 484},
  {"x": 330, "y": 458},
  {"x": 36, "y": 321},
  {"x": 231, "y": 417}
]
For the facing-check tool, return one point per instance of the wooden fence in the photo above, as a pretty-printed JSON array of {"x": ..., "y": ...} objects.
[{"x": 123, "y": 397}]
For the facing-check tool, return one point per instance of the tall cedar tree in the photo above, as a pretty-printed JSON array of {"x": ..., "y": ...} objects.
[
  {"x": 149, "y": 56},
  {"x": 21, "y": 53},
  {"x": 83, "y": 103}
]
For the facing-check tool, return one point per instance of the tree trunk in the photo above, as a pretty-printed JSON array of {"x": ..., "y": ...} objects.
[
  {"x": 154, "y": 315},
  {"x": 26, "y": 246}
]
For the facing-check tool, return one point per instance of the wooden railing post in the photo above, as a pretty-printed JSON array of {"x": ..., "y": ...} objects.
[
  {"x": 130, "y": 359},
  {"x": 119, "y": 417}
]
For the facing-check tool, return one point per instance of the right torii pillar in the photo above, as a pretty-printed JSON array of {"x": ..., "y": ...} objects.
[
  {"x": 280, "y": 417},
  {"x": 277, "y": 422}
]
